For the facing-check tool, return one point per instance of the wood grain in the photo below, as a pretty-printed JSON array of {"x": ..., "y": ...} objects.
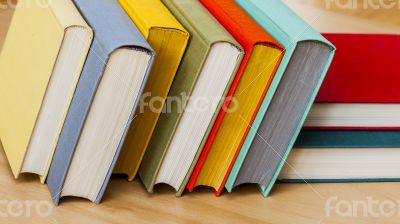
[{"x": 129, "y": 202}]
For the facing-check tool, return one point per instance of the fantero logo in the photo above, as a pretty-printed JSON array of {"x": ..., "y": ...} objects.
[
  {"x": 362, "y": 4},
  {"x": 26, "y": 208},
  {"x": 368, "y": 207}
]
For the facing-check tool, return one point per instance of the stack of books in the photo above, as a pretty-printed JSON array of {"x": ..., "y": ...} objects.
[
  {"x": 189, "y": 93},
  {"x": 352, "y": 132}
]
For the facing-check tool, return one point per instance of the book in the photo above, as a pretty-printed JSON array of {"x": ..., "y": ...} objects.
[
  {"x": 353, "y": 116},
  {"x": 103, "y": 105},
  {"x": 40, "y": 64},
  {"x": 347, "y": 139},
  {"x": 261, "y": 60},
  {"x": 280, "y": 118},
  {"x": 353, "y": 96},
  {"x": 348, "y": 98},
  {"x": 202, "y": 82},
  {"x": 168, "y": 39},
  {"x": 349, "y": 79},
  {"x": 344, "y": 156}
]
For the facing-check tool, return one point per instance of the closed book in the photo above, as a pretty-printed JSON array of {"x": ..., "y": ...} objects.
[
  {"x": 287, "y": 103},
  {"x": 353, "y": 116},
  {"x": 353, "y": 96},
  {"x": 344, "y": 156},
  {"x": 206, "y": 72},
  {"x": 40, "y": 64},
  {"x": 103, "y": 105},
  {"x": 354, "y": 79},
  {"x": 360, "y": 90},
  {"x": 261, "y": 60},
  {"x": 168, "y": 39}
]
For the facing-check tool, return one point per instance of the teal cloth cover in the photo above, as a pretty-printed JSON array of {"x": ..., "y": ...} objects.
[{"x": 347, "y": 139}]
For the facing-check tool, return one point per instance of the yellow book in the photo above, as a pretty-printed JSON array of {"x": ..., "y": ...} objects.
[
  {"x": 259, "y": 70},
  {"x": 40, "y": 64},
  {"x": 168, "y": 38}
]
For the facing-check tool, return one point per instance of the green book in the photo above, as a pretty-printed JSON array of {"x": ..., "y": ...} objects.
[
  {"x": 291, "y": 94},
  {"x": 197, "y": 93}
]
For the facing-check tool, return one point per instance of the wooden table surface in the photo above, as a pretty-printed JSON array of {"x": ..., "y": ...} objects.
[{"x": 289, "y": 203}]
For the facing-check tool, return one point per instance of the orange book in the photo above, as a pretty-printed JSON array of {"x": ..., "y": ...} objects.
[{"x": 262, "y": 58}]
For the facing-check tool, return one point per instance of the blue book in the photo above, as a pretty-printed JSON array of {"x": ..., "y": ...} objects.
[
  {"x": 344, "y": 156},
  {"x": 103, "y": 105}
]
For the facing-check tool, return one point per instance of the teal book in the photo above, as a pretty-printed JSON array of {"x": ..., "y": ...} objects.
[
  {"x": 347, "y": 139},
  {"x": 338, "y": 156},
  {"x": 273, "y": 133}
]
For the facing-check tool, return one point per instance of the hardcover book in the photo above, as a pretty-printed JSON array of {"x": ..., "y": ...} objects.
[
  {"x": 353, "y": 79},
  {"x": 40, "y": 64},
  {"x": 168, "y": 39},
  {"x": 286, "y": 105},
  {"x": 344, "y": 156},
  {"x": 103, "y": 106},
  {"x": 261, "y": 60},
  {"x": 206, "y": 72},
  {"x": 353, "y": 116}
]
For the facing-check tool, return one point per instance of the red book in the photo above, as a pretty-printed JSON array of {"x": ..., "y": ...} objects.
[
  {"x": 366, "y": 69},
  {"x": 362, "y": 88},
  {"x": 249, "y": 34}
]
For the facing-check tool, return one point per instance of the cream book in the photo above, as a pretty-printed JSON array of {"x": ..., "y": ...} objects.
[{"x": 40, "y": 64}]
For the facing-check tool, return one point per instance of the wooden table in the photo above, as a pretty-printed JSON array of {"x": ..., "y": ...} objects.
[{"x": 129, "y": 202}]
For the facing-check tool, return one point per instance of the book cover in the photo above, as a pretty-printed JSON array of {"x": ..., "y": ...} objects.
[
  {"x": 291, "y": 31},
  {"x": 341, "y": 156},
  {"x": 205, "y": 31},
  {"x": 347, "y": 139},
  {"x": 25, "y": 74},
  {"x": 113, "y": 30},
  {"x": 261, "y": 60},
  {"x": 168, "y": 38},
  {"x": 353, "y": 79}
]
